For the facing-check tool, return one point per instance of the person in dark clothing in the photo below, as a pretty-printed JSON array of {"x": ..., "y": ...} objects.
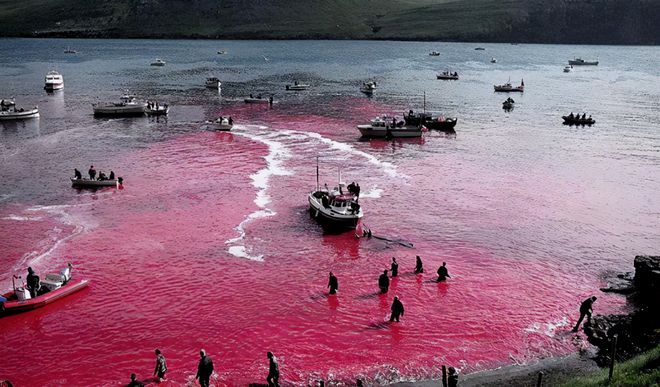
[
  {"x": 92, "y": 173},
  {"x": 161, "y": 366},
  {"x": 419, "y": 268},
  {"x": 443, "y": 274},
  {"x": 397, "y": 309},
  {"x": 134, "y": 382},
  {"x": 204, "y": 369},
  {"x": 585, "y": 310},
  {"x": 359, "y": 383},
  {"x": 357, "y": 189},
  {"x": 452, "y": 378},
  {"x": 384, "y": 282},
  {"x": 77, "y": 174},
  {"x": 333, "y": 284},
  {"x": 351, "y": 187},
  {"x": 231, "y": 121},
  {"x": 33, "y": 282},
  {"x": 273, "y": 371},
  {"x": 394, "y": 268},
  {"x": 102, "y": 176},
  {"x": 112, "y": 175}
]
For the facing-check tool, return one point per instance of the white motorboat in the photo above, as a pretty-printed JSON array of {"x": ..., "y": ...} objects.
[
  {"x": 69, "y": 50},
  {"x": 493, "y": 60},
  {"x": 568, "y": 69},
  {"x": 297, "y": 86},
  {"x": 213, "y": 83},
  {"x": 582, "y": 62},
  {"x": 259, "y": 100},
  {"x": 128, "y": 105},
  {"x": 368, "y": 87},
  {"x": 54, "y": 81},
  {"x": 89, "y": 183},
  {"x": 337, "y": 208},
  {"x": 9, "y": 111},
  {"x": 448, "y": 75},
  {"x": 158, "y": 62},
  {"x": 388, "y": 127},
  {"x": 507, "y": 87},
  {"x": 221, "y": 123}
]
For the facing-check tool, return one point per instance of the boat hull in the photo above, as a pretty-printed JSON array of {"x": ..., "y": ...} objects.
[
  {"x": 15, "y": 306},
  {"x": 119, "y": 111},
  {"x": 582, "y": 63},
  {"x": 330, "y": 220},
  {"x": 573, "y": 121},
  {"x": 509, "y": 89},
  {"x": 158, "y": 112},
  {"x": 448, "y": 77},
  {"x": 54, "y": 86},
  {"x": 297, "y": 87},
  {"x": 32, "y": 113},
  {"x": 257, "y": 101},
  {"x": 369, "y": 131},
  {"x": 87, "y": 183},
  {"x": 446, "y": 125}
]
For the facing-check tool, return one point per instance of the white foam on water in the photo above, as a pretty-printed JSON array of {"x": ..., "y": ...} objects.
[
  {"x": 373, "y": 193},
  {"x": 277, "y": 155},
  {"x": 19, "y": 218},
  {"x": 548, "y": 328}
]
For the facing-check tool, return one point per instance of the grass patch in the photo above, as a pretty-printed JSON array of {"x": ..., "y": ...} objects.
[{"x": 642, "y": 370}]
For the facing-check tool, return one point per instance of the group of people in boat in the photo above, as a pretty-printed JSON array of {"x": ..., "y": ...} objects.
[
  {"x": 577, "y": 117},
  {"x": 155, "y": 106},
  {"x": 450, "y": 74},
  {"x": 92, "y": 174},
  {"x": 230, "y": 121}
]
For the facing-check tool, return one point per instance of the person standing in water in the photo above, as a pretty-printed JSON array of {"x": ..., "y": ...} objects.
[
  {"x": 161, "y": 366},
  {"x": 395, "y": 267},
  {"x": 273, "y": 377},
  {"x": 397, "y": 309},
  {"x": 419, "y": 268},
  {"x": 443, "y": 274},
  {"x": 585, "y": 310},
  {"x": 204, "y": 369},
  {"x": 384, "y": 282},
  {"x": 333, "y": 284}
]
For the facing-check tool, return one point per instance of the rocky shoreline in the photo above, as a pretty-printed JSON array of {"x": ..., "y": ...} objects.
[{"x": 637, "y": 331}]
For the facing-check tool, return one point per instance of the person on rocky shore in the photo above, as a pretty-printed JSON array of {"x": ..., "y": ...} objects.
[
  {"x": 452, "y": 378},
  {"x": 384, "y": 282},
  {"x": 585, "y": 310},
  {"x": 333, "y": 284}
]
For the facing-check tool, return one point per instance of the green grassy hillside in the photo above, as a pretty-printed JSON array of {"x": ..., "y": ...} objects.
[{"x": 546, "y": 21}]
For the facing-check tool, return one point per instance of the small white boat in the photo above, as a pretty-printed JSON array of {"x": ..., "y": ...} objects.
[
  {"x": 69, "y": 50},
  {"x": 368, "y": 87},
  {"x": 9, "y": 111},
  {"x": 448, "y": 75},
  {"x": 222, "y": 52},
  {"x": 493, "y": 60},
  {"x": 221, "y": 123},
  {"x": 213, "y": 83},
  {"x": 335, "y": 209},
  {"x": 128, "y": 105},
  {"x": 54, "y": 81},
  {"x": 389, "y": 127},
  {"x": 259, "y": 100},
  {"x": 297, "y": 86},
  {"x": 158, "y": 62},
  {"x": 155, "y": 109},
  {"x": 89, "y": 183},
  {"x": 568, "y": 69}
]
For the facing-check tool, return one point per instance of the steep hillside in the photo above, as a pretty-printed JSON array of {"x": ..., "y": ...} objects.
[{"x": 543, "y": 21}]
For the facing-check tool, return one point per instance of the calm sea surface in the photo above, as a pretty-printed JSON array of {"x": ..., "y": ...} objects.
[{"x": 209, "y": 244}]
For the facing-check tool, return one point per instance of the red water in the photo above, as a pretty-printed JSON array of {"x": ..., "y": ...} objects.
[{"x": 169, "y": 267}]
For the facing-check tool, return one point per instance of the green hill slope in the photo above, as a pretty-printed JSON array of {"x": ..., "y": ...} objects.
[{"x": 549, "y": 21}]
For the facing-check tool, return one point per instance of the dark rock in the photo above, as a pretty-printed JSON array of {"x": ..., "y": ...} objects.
[
  {"x": 619, "y": 285},
  {"x": 647, "y": 279}
]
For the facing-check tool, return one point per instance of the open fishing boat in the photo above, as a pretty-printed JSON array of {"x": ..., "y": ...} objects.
[
  {"x": 388, "y": 127},
  {"x": 89, "y": 183},
  {"x": 158, "y": 62},
  {"x": 336, "y": 208},
  {"x": 9, "y": 111},
  {"x": 213, "y": 83},
  {"x": 434, "y": 53},
  {"x": 54, "y": 287},
  {"x": 297, "y": 86},
  {"x": 582, "y": 62},
  {"x": 259, "y": 100},
  {"x": 448, "y": 75},
  {"x": 368, "y": 87},
  {"x": 221, "y": 123},
  {"x": 578, "y": 120},
  {"x": 154, "y": 109}
]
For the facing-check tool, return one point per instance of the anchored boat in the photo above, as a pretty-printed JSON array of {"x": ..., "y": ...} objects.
[
  {"x": 128, "y": 105},
  {"x": 582, "y": 62},
  {"x": 336, "y": 208},
  {"x": 388, "y": 127},
  {"x": 9, "y": 111},
  {"x": 507, "y": 87},
  {"x": 54, "y": 81}
]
